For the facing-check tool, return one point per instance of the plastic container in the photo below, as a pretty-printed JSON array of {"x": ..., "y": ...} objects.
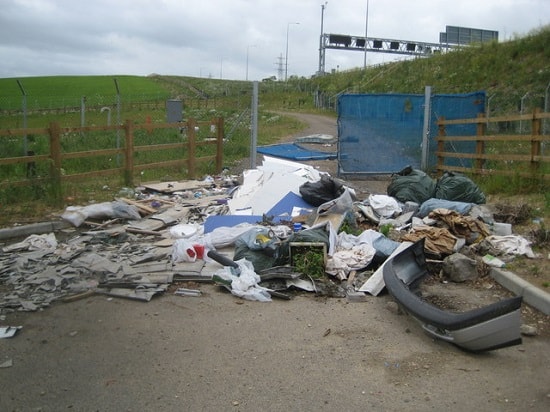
[{"x": 199, "y": 249}]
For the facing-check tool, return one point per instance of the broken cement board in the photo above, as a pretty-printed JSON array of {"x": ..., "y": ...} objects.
[
  {"x": 8, "y": 331},
  {"x": 170, "y": 187},
  {"x": 159, "y": 220},
  {"x": 140, "y": 293}
]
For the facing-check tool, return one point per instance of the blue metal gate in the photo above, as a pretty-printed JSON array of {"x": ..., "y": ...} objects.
[{"x": 383, "y": 133}]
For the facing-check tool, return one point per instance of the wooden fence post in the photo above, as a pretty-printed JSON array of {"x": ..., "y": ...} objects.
[
  {"x": 536, "y": 128},
  {"x": 219, "y": 144},
  {"x": 191, "y": 140},
  {"x": 129, "y": 153},
  {"x": 55, "y": 155},
  {"x": 480, "y": 144}
]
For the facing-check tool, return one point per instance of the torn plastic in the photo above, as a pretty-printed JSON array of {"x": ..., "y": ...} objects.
[{"x": 244, "y": 285}]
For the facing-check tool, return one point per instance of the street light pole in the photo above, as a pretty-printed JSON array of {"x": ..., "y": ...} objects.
[
  {"x": 366, "y": 32},
  {"x": 286, "y": 56},
  {"x": 321, "y": 49}
]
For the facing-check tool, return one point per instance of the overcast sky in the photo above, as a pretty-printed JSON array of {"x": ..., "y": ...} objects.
[{"x": 212, "y": 38}]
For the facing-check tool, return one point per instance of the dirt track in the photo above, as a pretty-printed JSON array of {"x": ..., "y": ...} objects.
[{"x": 219, "y": 353}]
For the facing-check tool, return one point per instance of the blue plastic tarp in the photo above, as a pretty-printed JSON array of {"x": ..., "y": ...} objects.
[{"x": 295, "y": 152}]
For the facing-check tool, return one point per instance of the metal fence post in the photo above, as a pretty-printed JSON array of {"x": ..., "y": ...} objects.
[
  {"x": 219, "y": 144},
  {"x": 129, "y": 153},
  {"x": 426, "y": 127},
  {"x": 191, "y": 148},
  {"x": 55, "y": 155},
  {"x": 24, "y": 107},
  {"x": 254, "y": 125}
]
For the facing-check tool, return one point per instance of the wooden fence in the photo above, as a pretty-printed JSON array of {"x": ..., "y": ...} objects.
[
  {"x": 127, "y": 151},
  {"x": 498, "y": 154}
]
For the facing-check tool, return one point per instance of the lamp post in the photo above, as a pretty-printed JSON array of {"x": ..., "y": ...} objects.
[
  {"x": 366, "y": 31},
  {"x": 286, "y": 56},
  {"x": 321, "y": 49},
  {"x": 247, "y": 50}
]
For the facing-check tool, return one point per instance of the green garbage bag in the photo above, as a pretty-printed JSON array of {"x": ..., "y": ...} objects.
[
  {"x": 411, "y": 185},
  {"x": 459, "y": 188}
]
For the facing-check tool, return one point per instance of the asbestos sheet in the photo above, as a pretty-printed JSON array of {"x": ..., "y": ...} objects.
[{"x": 171, "y": 187}]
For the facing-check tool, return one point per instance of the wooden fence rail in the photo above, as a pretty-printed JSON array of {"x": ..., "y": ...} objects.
[
  {"x": 498, "y": 154},
  {"x": 127, "y": 150}
]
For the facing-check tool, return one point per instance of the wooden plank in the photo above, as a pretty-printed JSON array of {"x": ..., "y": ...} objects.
[
  {"x": 23, "y": 159},
  {"x": 487, "y": 172},
  {"x": 91, "y": 153},
  {"x": 494, "y": 138},
  {"x": 165, "y": 146},
  {"x": 144, "y": 208},
  {"x": 143, "y": 232},
  {"x": 512, "y": 118},
  {"x": 521, "y": 158}
]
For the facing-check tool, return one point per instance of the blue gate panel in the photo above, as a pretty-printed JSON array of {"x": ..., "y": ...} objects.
[
  {"x": 382, "y": 133},
  {"x": 455, "y": 106}
]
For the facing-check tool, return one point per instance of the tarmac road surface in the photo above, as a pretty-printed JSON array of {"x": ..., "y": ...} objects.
[{"x": 219, "y": 353}]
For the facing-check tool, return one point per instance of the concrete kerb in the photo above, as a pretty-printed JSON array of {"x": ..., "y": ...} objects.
[
  {"x": 33, "y": 229},
  {"x": 532, "y": 295}
]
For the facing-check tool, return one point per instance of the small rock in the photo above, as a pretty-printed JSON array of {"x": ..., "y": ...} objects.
[
  {"x": 459, "y": 268},
  {"x": 528, "y": 330},
  {"x": 393, "y": 307},
  {"x": 6, "y": 364}
]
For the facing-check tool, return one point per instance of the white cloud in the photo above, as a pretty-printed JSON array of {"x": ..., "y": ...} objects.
[{"x": 212, "y": 37}]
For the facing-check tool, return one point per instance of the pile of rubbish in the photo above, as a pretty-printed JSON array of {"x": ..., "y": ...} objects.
[{"x": 279, "y": 228}]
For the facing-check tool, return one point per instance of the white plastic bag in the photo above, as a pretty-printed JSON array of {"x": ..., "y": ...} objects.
[
  {"x": 245, "y": 285},
  {"x": 183, "y": 251},
  {"x": 385, "y": 206}
]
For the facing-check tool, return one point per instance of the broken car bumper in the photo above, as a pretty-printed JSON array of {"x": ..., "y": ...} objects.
[{"x": 490, "y": 327}]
